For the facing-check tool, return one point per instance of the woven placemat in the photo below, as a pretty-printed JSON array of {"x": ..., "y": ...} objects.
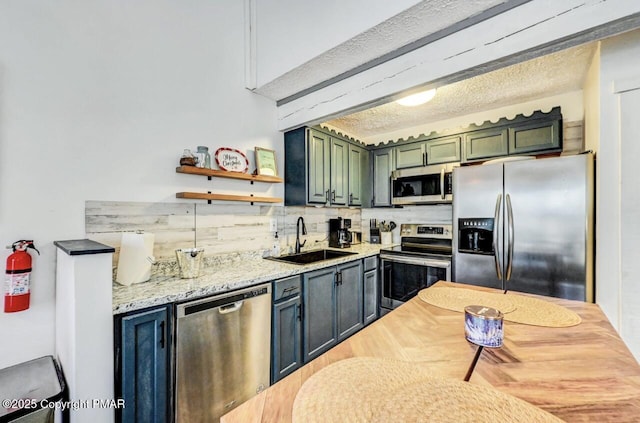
[
  {"x": 515, "y": 307},
  {"x": 366, "y": 389},
  {"x": 532, "y": 311},
  {"x": 457, "y": 299}
]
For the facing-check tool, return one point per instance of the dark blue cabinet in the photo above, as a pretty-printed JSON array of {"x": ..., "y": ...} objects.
[
  {"x": 370, "y": 283},
  {"x": 349, "y": 297},
  {"x": 286, "y": 327},
  {"x": 319, "y": 317},
  {"x": 333, "y": 306},
  {"x": 142, "y": 365}
]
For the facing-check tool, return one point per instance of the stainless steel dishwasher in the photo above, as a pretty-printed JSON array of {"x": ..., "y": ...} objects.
[{"x": 222, "y": 352}]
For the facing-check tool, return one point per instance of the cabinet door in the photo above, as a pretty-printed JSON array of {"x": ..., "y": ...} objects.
[
  {"x": 382, "y": 168},
  {"x": 535, "y": 137},
  {"x": 318, "y": 167},
  {"x": 144, "y": 352},
  {"x": 370, "y": 296},
  {"x": 356, "y": 168},
  {"x": 443, "y": 150},
  {"x": 349, "y": 298},
  {"x": 339, "y": 179},
  {"x": 410, "y": 155},
  {"x": 319, "y": 317},
  {"x": 485, "y": 144},
  {"x": 286, "y": 345}
]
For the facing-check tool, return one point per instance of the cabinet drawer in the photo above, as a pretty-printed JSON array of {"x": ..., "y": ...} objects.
[
  {"x": 370, "y": 263},
  {"x": 285, "y": 288}
]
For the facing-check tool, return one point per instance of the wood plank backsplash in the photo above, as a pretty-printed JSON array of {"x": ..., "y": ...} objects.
[
  {"x": 235, "y": 228},
  {"x": 218, "y": 228}
]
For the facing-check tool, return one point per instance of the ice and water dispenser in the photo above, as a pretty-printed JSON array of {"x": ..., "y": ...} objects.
[{"x": 475, "y": 235}]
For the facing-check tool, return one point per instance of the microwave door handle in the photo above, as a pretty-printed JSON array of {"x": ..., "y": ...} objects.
[
  {"x": 496, "y": 242},
  {"x": 511, "y": 237},
  {"x": 442, "y": 195}
]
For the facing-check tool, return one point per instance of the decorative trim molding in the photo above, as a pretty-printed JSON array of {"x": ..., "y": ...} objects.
[{"x": 554, "y": 113}]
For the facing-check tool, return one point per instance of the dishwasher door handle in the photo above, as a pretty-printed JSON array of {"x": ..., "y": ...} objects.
[{"x": 230, "y": 308}]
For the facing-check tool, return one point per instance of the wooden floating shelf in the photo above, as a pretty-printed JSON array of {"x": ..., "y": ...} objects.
[
  {"x": 227, "y": 197},
  {"x": 231, "y": 175}
]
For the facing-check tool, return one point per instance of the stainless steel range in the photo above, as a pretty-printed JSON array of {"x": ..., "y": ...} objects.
[{"x": 422, "y": 258}]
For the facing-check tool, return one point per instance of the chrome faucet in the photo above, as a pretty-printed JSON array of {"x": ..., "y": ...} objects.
[{"x": 304, "y": 232}]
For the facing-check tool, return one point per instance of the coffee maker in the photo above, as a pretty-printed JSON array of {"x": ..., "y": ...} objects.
[{"x": 339, "y": 235}]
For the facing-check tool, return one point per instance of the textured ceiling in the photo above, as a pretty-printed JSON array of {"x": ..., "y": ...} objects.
[
  {"x": 546, "y": 76},
  {"x": 421, "y": 20}
]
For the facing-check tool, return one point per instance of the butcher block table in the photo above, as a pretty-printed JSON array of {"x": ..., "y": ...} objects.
[{"x": 580, "y": 373}]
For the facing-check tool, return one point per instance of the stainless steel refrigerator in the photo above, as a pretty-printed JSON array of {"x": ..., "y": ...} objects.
[{"x": 526, "y": 225}]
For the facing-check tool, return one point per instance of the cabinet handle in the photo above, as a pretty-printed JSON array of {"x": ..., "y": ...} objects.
[
  {"x": 300, "y": 312},
  {"x": 162, "y": 336},
  {"x": 333, "y": 195},
  {"x": 350, "y": 198},
  {"x": 339, "y": 278},
  {"x": 424, "y": 159},
  {"x": 326, "y": 196}
]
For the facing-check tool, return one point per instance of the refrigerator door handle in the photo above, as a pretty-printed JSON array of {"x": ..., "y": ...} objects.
[
  {"x": 442, "y": 194},
  {"x": 496, "y": 230},
  {"x": 511, "y": 236}
]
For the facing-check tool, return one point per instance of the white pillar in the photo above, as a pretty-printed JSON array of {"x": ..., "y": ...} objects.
[{"x": 84, "y": 326}]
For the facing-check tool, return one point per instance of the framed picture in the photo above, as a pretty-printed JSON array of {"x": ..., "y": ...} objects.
[{"x": 266, "y": 162}]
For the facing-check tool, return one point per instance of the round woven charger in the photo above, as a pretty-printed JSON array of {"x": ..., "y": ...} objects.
[
  {"x": 516, "y": 308},
  {"x": 447, "y": 400},
  {"x": 351, "y": 390},
  {"x": 457, "y": 299},
  {"x": 381, "y": 390}
]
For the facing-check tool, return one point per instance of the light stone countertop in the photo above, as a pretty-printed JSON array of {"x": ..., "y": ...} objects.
[{"x": 226, "y": 274}]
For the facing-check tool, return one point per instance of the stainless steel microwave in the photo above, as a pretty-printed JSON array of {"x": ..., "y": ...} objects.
[{"x": 423, "y": 185}]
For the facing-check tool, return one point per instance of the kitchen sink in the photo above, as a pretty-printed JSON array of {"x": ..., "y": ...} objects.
[{"x": 311, "y": 256}]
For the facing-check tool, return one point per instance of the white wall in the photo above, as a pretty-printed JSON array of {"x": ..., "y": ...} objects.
[
  {"x": 97, "y": 101},
  {"x": 292, "y": 32},
  {"x": 618, "y": 205}
]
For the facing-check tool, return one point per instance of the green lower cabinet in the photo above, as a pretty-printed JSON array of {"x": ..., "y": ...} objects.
[{"x": 142, "y": 346}]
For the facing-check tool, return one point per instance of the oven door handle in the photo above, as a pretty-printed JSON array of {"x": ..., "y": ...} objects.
[
  {"x": 444, "y": 264},
  {"x": 442, "y": 194},
  {"x": 496, "y": 241}
]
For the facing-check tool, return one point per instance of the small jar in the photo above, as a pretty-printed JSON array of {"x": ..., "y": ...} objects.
[
  {"x": 187, "y": 159},
  {"x": 204, "y": 158}
]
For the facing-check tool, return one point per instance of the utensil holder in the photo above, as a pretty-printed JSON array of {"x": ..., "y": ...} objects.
[{"x": 189, "y": 262}]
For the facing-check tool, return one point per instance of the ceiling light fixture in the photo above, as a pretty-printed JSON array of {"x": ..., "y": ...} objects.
[{"x": 417, "y": 99}]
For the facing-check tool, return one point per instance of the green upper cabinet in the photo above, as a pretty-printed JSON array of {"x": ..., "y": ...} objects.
[
  {"x": 339, "y": 175},
  {"x": 317, "y": 169},
  {"x": 485, "y": 144},
  {"x": 443, "y": 150},
  {"x": 382, "y": 166},
  {"x": 534, "y": 137},
  {"x": 318, "y": 165},
  {"x": 539, "y": 133},
  {"x": 357, "y": 167},
  {"x": 410, "y": 155},
  {"x": 433, "y": 151}
]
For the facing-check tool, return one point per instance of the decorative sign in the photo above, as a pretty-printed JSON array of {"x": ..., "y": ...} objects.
[
  {"x": 266, "y": 162},
  {"x": 231, "y": 160}
]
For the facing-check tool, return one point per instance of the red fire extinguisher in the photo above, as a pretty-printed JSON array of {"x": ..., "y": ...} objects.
[{"x": 17, "y": 294}]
